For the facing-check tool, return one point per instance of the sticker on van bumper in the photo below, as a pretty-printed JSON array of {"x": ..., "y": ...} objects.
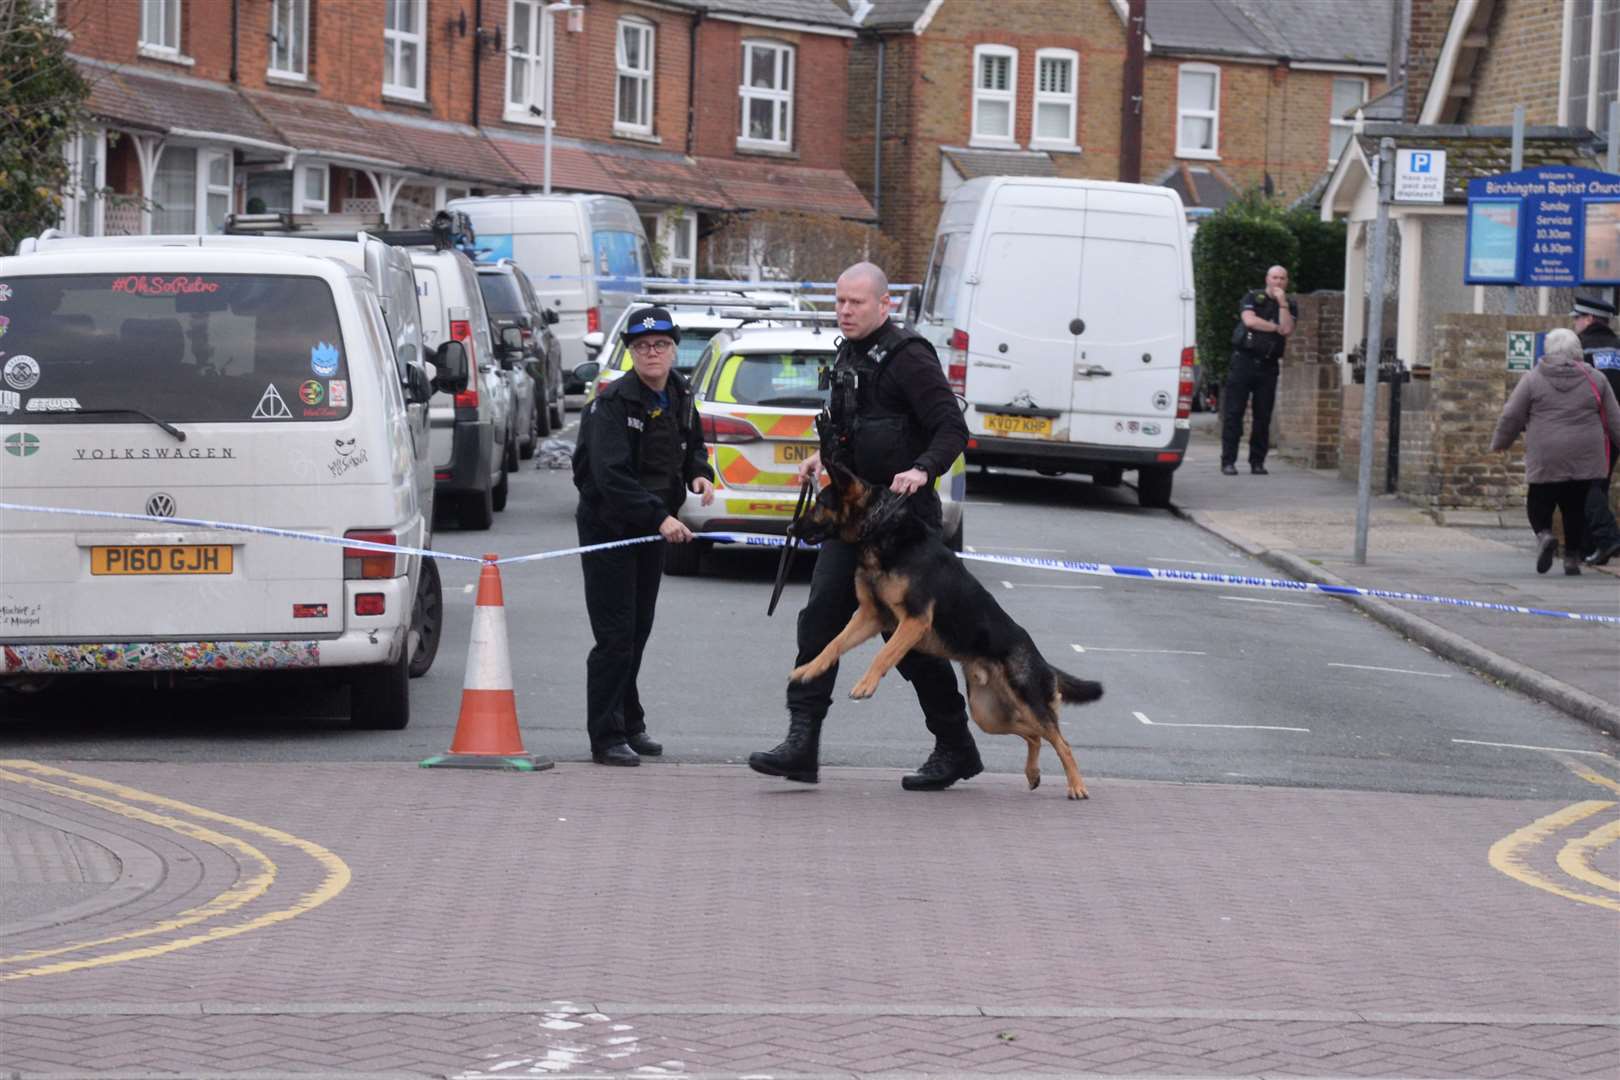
[{"x": 162, "y": 656}]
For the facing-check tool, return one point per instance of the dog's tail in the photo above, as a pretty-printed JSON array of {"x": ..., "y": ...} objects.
[{"x": 1076, "y": 691}]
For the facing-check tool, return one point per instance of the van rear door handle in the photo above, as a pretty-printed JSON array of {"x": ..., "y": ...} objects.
[{"x": 1095, "y": 369}]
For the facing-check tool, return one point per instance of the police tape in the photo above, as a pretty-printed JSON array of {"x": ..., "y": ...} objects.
[
  {"x": 1139, "y": 573},
  {"x": 1201, "y": 577}
]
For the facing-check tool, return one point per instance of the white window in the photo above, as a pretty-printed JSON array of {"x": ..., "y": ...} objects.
[
  {"x": 525, "y": 62},
  {"x": 677, "y": 234},
  {"x": 767, "y": 95},
  {"x": 995, "y": 84},
  {"x": 405, "y": 48},
  {"x": 160, "y": 26},
  {"x": 46, "y": 9},
  {"x": 174, "y": 191},
  {"x": 1198, "y": 111},
  {"x": 1348, "y": 94},
  {"x": 215, "y": 177},
  {"x": 289, "y": 38},
  {"x": 1057, "y": 77},
  {"x": 1592, "y": 65},
  {"x": 633, "y": 111},
  {"x": 310, "y": 190},
  {"x": 82, "y": 211}
]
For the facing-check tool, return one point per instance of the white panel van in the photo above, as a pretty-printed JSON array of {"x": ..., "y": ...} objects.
[
  {"x": 173, "y": 377},
  {"x": 1063, "y": 311},
  {"x": 566, "y": 243}
]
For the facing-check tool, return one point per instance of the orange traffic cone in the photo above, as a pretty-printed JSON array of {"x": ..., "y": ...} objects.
[{"x": 487, "y": 731}]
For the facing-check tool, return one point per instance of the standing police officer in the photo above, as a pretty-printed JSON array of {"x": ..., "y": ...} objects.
[
  {"x": 1601, "y": 348},
  {"x": 893, "y": 421},
  {"x": 639, "y": 452},
  {"x": 1267, "y": 319}
]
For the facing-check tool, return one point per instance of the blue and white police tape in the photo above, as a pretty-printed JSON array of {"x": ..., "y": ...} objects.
[
  {"x": 1200, "y": 577},
  {"x": 1185, "y": 577}
]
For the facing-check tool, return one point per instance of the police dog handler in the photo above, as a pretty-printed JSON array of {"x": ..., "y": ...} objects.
[
  {"x": 639, "y": 453},
  {"x": 893, "y": 421}
]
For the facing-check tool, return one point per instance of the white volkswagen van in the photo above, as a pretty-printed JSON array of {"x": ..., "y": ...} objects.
[
  {"x": 172, "y": 378},
  {"x": 565, "y": 243},
  {"x": 1063, "y": 311}
]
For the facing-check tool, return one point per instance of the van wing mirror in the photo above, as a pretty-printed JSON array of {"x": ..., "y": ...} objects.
[
  {"x": 454, "y": 371},
  {"x": 594, "y": 342},
  {"x": 549, "y": 316},
  {"x": 512, "y": 339},
  {"x": 418, "y": 384},
  {"x": 587, "y": 371}
]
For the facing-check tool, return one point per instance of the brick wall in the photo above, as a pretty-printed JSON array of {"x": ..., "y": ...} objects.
[
  {"x": 1306, "y": 421},
  {"x": 1426, "y": 35},
  {"x": 1521, "y": 65}
]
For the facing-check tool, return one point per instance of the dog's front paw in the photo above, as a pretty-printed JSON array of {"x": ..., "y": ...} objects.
[
  {"x": 864, "y": 689},
  {"x": 1078, "y": 791}
]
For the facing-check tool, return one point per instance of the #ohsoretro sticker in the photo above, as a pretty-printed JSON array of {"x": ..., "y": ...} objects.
[
  {"x": 337, "y": 392},
  {"x": 21, "y": 372},
  {"x": 310, "y": 392},
  {"x": 323, "y": 359}
]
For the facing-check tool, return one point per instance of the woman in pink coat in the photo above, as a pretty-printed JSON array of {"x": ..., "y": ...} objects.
[{"x": 1569, "y": 417}]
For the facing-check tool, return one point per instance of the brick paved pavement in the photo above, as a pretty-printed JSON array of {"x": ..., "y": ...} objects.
[{"x": 703, "y": 920}]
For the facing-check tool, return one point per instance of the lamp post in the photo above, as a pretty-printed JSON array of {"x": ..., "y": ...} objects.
[{"x": 548, "y": 51}]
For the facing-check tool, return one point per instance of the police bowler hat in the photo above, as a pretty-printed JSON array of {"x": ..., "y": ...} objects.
[
  {"x": 1587, "y": 305},
  {"x": 650, "y": 320}
]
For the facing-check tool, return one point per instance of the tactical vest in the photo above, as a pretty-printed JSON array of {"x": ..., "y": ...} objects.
[{"x": 866, "y": 437}]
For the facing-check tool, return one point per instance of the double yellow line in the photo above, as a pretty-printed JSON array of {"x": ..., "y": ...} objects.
[
  {"x": 1577, "y": 858},
  {"x": 260, "y": 872}
]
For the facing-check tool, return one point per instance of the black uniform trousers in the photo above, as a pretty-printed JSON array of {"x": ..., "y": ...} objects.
[
  {"x": 621, "y": 594},
  {"x": 1569, "y": 497},
  {"x": 1249, "y": 377},
  {"x": 832, "y": 602},
  {"x": 1602, "y": 531}
]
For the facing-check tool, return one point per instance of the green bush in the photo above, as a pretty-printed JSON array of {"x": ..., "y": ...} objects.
[
  {"x": 1231, "y": 254},
  {"x": 42, "y": 98},
  {"x": 1321, "y": 251}
]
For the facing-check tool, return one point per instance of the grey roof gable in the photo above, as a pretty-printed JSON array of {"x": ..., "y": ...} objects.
[
  {"x": 1320, "y": 31},
  {"x": 889, "y": 14}
]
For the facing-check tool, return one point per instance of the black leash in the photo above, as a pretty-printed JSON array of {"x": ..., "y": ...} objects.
[{"x": 788, "y": 547}]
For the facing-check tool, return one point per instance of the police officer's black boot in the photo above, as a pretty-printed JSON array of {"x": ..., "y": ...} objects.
[
  {"x": 795, "y": 757},
  {"x": 955, "y": 757}
]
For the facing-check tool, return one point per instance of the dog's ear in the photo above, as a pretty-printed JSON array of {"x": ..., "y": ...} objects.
[{"x": 845, "y": 481}]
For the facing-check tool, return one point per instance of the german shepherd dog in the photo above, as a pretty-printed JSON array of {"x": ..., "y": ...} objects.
[{"x": 911, "y": 587}]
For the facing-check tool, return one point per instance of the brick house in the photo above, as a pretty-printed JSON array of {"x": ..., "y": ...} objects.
[
  {"x": 1236, "y": 94},
  {"x": 693, "y": 109}
]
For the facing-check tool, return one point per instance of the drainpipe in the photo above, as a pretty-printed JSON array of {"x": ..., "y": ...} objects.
[
  {"x": 478, "y": 55},
  {"x": 235, "y": 22},
  {"x": 691, "y": 80},
  {"x": 877, "y": 139},
  {"x": 1130, "y": 101}
]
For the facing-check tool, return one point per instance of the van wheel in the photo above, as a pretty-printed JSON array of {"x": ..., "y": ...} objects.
[
  {"x": 499, "y": 492},
  {"x": 380, "y": 696},
  {"x": 954, "y": 541},
  {"x": 542, "y": 420},
  {"x": 478, "y": 509},
  {"x": 1153, "y": 487},
  {"x": 427, "y": 618},
  {"x": 684, "y": 560}
]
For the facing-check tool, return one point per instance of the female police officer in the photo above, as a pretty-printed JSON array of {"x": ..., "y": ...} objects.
[{"x": 638, "y": 454}]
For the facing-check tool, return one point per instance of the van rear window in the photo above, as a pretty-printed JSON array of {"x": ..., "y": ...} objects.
[{"x": 185, "y": 348}]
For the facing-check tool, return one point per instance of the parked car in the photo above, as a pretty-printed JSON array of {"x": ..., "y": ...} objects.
[
  {"x": 567, "y": 244},
  {"x": 230, "y": 382},
  {"x": 472, "y": 437},
  {"x": 758, "y": 392},
  {"x": 512, "y": 302},
  {"x": 1063, "y": 312},
  {"x": 700, "y": 315}
]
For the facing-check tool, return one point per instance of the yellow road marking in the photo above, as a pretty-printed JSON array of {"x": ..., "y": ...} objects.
[
  {"x": 1576, "y": 858},
  {"x": 1582, "y": 770},
  {"x": 255, "y": 886},
  {"x": 1507, "y": 854},
  {"x": 336, "y": 878}
]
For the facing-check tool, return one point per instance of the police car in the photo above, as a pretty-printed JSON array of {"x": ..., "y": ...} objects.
[
  {"x": 758, "y": 394},
  {"x": 698, "y": 316}
]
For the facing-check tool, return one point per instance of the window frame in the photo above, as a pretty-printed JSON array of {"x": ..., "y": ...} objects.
[
  {"x": 1046, "y": 97},
  {"x": 983, "y": 94},
  {"x": 1336, "y": 122},
  {"x": 534, "y": 56},
  {"x": 84, "y": 192},
  {"x": 395, "y": 40},
  {"x": 298, "y": 11},
  {"x": 206, "y": 189},
  {"x": 647, "y": 76},
  {"x": 1213, "y": 115},
  {"x": 1590, "y": 95},
  {"x": 170, "y": 20},
  {"x": 302, "y": 203},
  {"x": 786, "y": 67}
]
